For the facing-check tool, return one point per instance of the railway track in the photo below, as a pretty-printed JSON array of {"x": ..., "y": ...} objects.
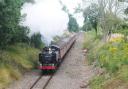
[{"x": 41, "y": 82}]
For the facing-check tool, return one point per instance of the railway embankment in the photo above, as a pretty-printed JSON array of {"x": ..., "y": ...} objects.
[
  {"x": 15, "y": 61},
  {"x": 110, "y": 56}
]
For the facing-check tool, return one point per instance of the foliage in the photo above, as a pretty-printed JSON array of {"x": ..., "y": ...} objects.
[
  {"x": 36, "y": 41},
  {"x": 117, "y": 81},
  {"x": 16, "y": 60},
  {"x": 56, "y": 39},
  {"x": 72, "y": 24},
  {"x": 103, "y": 14},
  {"x": 9, "y": 21},
  {"x": 87, "y": 26},
  {"x": 97, "y": 82},
  {"x": 122, "y": 28},
  {"x": 123, "y": 31},
  {"x": 15, "y": 53},
  {"x": 92, "y": 43},
  {"x": 115, "y": 57},
  {"x": 91, "y": 16},
  {"x": 11, "y": 31},
  {"x": 126, "y": 11},
  {"x": 64, "y": 7},
  {"x": 112, "y": 21},
  {"x": 89, "y": 39},
  {"x": 111, "y": 56}
]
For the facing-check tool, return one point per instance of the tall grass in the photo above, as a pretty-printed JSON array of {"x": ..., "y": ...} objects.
[
  {"x": 92, "y": 43},
  {"x": 113, "y": 57},
  {"x": 15, "y": 61}
]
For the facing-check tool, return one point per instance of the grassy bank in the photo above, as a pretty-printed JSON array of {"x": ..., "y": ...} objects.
[
  {"x": 16, "y": 60},
  {"x": 112, "y": 56},
  {"x": 92, "y": 43}
]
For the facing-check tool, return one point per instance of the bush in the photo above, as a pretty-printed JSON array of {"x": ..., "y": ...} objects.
[{"x": 113, "y": 57}]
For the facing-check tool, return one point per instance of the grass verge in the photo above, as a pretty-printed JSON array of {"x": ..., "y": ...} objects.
[
  {"x": 15, "y": 61},
  {"x": 111, "y": 56}
]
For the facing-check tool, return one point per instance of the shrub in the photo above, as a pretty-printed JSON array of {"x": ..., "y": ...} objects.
[{"x": 113, "y": 56}]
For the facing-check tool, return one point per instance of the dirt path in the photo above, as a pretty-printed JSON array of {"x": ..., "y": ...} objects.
[{"x": 74, "y": 73}]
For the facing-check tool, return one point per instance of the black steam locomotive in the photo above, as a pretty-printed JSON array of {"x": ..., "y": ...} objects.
[{"x": 52, "y": 56}]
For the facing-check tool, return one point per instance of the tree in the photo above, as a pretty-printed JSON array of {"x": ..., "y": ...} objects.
[
  {"x": 72, "y": 24},
  {"x": 105, "y": 14},
  {"x": 126, "y": 11},
  {"x": 10, "y": 17},
  {"x": 87, "y": 26},
  {"x": 36, "y": 40},
  {"x": 9, "y": 20},
  {"x": 91, "y": 16}
]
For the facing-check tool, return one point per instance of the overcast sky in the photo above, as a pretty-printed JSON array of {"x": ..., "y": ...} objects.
[{"x": 47, "y": 17}]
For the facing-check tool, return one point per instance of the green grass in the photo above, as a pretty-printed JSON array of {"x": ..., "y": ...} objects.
[
  {"x": 92, "y": 43},
  {"x": 89, "y": 38},
  {"x": 16, "y": 60},
  {"x": 97, "y": 82},
  {"x": 119, "y": 80},
  {"x": 111, "y": 56}
]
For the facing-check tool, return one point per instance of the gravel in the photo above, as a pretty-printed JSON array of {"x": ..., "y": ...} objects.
[{"x": 74, "y": 73}]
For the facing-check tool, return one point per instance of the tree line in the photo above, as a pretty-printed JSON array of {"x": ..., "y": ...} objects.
[
  {"x": 11, "y": 31},
  {"x": 108, "y": 15}
]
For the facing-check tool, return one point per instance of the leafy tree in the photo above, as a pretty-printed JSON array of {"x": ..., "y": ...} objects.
[
  {"x": 91, "y": 17},
  {"x": 87, "y": 26},
  {"x": 9, "y": 20},
  {"x": 20, "y": 35},
  {"x": 10, "y": 17},
  {"x": 36, "y": 40},
  {"x": 72, "y": 24},
  {"x": 103, "y": 13}
]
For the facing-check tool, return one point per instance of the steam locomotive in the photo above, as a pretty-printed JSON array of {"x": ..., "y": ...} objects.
[{"x": 53, "y": 55}]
